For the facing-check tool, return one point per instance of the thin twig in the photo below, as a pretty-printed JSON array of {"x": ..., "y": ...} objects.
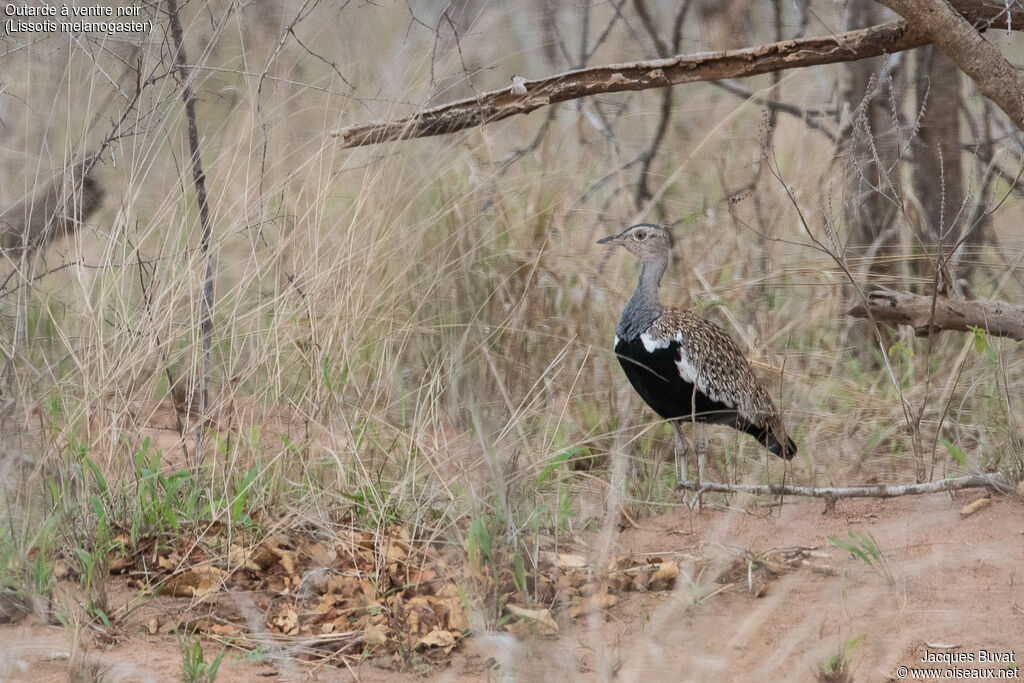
[
  {"x": 199, "y": 180},
  {"x": 643, "y": 192},
  {"x": 808, "y": 116}
]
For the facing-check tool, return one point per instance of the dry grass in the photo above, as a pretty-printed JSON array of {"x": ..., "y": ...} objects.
[{"x": 414, "y": 334}]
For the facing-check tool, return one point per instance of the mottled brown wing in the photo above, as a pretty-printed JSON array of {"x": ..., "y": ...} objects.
[{"x": 711, "y": 360}]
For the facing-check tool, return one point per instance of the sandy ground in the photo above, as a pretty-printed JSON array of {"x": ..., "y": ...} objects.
[{"x": 954, "y": 582}]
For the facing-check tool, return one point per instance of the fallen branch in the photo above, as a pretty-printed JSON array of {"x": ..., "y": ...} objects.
[
  {"x": 972, "y": 481},
  {"x": 903, "y": 308},
  {"x": 660, "y": 73}
]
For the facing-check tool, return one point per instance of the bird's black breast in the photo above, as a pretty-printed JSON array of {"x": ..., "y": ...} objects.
[{"x": 655, "y": 376}]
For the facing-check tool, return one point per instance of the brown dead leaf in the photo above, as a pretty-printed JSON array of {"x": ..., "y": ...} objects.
[
  {"x": 622, "y": 563},
  {"x": 225, "y": 629},
  {"x": 320, "y": 555},
  {"x": 599, "y": 600},
  {"x": 621, "y": 581},
  {"x": 520, "y": 629},
  {"x": 118, "y": 563},
  {"x": 168, "y": 562},
  {"x": 397, "y": 572},
  {"x": 326, "y": 603},
  {"x": 262, "y": 557},
  {"x": 456, "y": 617},
  {"x": 181, "y": 585},
  {"x": 566, "y": 561},
  {"x": 242, "y": 559},
  {"x": 604, "y": 600},
  {"x": 642, "y": 577},
  {"x": 287, "y": 560},
  {"x": 970, "y": 509},
  {"x": 278, "y": 541},
  {"x": 375, "y": 636},
  {"x": 365, "y": 541},
  {"x": 665, "y": 576},
  {"x": 420, "y": 615},
  {"x": 61, "y": 570},
  {"x": 535, "y": 621},
  {"x": 284, "y": 620},
  {"x": 440, "y": 639},
  {"x": 211, "y": 572},
  {"x": 276, "y": 584},
  {"x": 565, "y": 590},
  {"x": 345, "y": 587},
  {"x": 396, "y": 547},
  {"x": 205, "y": 587},
  {"x": 421, "y": 576}
]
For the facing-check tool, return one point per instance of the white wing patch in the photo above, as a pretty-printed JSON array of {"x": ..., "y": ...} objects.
[
  {"x": 616, "y": 341},
  {"x": 652, "y": 343},
  {"x": 688, "y": 372},
  {"x": 686, "y": 369}
]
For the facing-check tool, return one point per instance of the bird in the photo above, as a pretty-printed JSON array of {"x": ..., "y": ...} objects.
[{"x": 685, "y": 367}]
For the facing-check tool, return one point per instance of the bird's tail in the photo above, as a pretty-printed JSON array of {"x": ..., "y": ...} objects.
[{"x": 769, "y": 440}]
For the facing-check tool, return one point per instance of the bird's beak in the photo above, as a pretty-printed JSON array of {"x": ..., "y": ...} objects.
[{"x": 609, "y": 238}]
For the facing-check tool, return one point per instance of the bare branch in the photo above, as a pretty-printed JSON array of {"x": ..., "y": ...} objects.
[
  {"x": 971, "y": 481},
  {"x": 660, "y": 73},
  {"x": 808, "y": 116},
  {"x": 976, "y": 57},
  {"x": 643, "y": 192},
  {"x": 903, "y": 308},
  {"x": 652, "y": 29}
]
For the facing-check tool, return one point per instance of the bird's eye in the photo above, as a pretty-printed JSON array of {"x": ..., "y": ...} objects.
[{"x": 640, "y": 236}]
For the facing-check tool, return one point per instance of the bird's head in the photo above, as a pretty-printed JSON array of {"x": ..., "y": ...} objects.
[{"x": 645, "y": 240}]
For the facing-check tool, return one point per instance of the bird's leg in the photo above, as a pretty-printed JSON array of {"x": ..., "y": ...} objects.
[
  {"x": 682, "y": 446},
  {"x": 702, "y": 453}
]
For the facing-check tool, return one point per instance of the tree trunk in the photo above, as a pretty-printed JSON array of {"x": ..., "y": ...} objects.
[
  {"x": 869, "y": 209},
  {"x": 937, "y": 175},
  {"x": 938, "y": 179}
]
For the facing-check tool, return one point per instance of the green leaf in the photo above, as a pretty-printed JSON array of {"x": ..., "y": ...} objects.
[
  {"x": 957, "y": 454},
  {"x": 242, "y": 493},
  {"x": 555, "y": 461},
  {"x": 983, "y": 344},
  {"x": 84, "y": 557},
  {"x": 102, "y": 615},
  {"x": 520, "y": 567},
  {"x": 96, "y": 474},
  {"x": 479, "y": 537},
  {"x": 855, "y": 551},
  {"x": 904, "y": 351},
  {"x": 980, "y": 342},
  {"x": 327, "y": 375}
]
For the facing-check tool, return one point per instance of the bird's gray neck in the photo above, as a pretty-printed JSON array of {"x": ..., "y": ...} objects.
[{"x": 644, "y": 307}]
